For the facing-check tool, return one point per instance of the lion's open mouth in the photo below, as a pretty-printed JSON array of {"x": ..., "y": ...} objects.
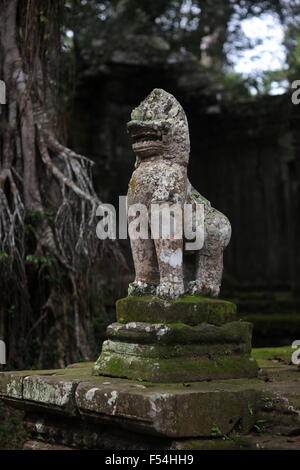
[
  {"x": 146, "y": 138},
  {"x": 146, "y": 141}
]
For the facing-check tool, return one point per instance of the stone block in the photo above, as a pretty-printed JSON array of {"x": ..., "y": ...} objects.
[
  {"x": 169, "y": 410},
  {"x": 184, "y": 369},
  {"x": 189, "y": 310},
  {"x": 11, "y": 384},
  {"x": 50, "y": 391}
]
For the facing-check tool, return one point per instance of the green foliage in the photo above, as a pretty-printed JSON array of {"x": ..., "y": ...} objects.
[
  {"x": 294, "y": 55},
  {"x": 250, "y": 408},
  {"x": 260, "y": 425},
  {"x": 42, "y": 261},
  {"x": 233, "y": 84},
  {"x": 215, "y": 431},
  {"x": 181, "y": 23},
  {"x": 267, "y": 403},
  {"x": 209, "y": 29},
  {"x": 35, "y": 217},
  {"x": 281, "y": 354}
]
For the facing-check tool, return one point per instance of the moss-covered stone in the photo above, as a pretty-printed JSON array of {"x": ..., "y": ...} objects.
[
  {"x": 179, "y": 333},
  {"x": 175, "y": 352},
  {"x": 163, "y": 351},
  {"x": 11, "y": 384},
  {"x": 189, "y": 310},
  {"x": 50, "y": 391},
  {"x": 185, "y": 415},
  {"x": 173, "y": 413},
  {"x": 183, "y": 369},
  {"x": 273, "y": 355}
]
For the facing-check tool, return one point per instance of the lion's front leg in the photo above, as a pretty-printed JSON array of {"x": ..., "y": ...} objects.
[
  {"x": 146, "y": 268},
  {"x": 169, "y": 257}
]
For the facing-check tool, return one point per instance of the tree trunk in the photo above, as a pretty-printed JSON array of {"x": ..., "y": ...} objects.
[{"x": 50, "y": 259}]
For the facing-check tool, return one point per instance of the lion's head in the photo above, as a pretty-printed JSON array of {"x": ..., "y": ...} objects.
[{"x": 159, "y": 128}]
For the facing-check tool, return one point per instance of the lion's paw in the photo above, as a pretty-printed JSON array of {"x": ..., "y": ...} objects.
[
  {"x": 169, "y": 291},
  {"x": 140, "y": 288}
]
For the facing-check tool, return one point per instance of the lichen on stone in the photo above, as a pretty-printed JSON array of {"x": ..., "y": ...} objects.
[{"x": 160, "y": 134}]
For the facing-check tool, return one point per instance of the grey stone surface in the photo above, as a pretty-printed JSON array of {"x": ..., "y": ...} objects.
[
  {"x": 168, "y": 411},
  {"x": 50, "y": 391}
]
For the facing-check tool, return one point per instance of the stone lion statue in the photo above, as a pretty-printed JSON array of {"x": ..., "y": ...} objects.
[{"x": 163, "y": 267}]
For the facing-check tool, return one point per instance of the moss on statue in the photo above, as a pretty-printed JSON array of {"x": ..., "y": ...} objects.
[
  {"x": 179, "y": 333},
  {"x": 190, "y": 310}
]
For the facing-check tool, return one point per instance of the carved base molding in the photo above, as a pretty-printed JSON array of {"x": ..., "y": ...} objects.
[{"x": 192, "y": 339}]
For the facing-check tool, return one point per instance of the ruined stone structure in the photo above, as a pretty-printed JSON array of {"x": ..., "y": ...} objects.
[
  {"x": 70, "y": 409},
  {"x": 188, "y": 358},
  {"x": 160, "y": 134}
]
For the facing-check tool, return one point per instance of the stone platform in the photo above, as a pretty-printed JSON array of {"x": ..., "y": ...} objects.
[
  {"x": 172, "y": 375},
  {"x": 189, "y": 339},
  {"x": 73, "y": 409}
]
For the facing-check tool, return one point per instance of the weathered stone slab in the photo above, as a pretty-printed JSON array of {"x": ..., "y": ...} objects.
[
  {"x": 47, "y": 388},
  {"x": 171, "y": 411},
  {"x": 114, "y": 413},
  {"x": 187, "y": 310},
  {"x": 11, "y": 384},
  {"x": 50, "y": 391}
]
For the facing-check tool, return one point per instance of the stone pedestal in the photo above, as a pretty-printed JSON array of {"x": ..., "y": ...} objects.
[{"x": 185, "y": 340}]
